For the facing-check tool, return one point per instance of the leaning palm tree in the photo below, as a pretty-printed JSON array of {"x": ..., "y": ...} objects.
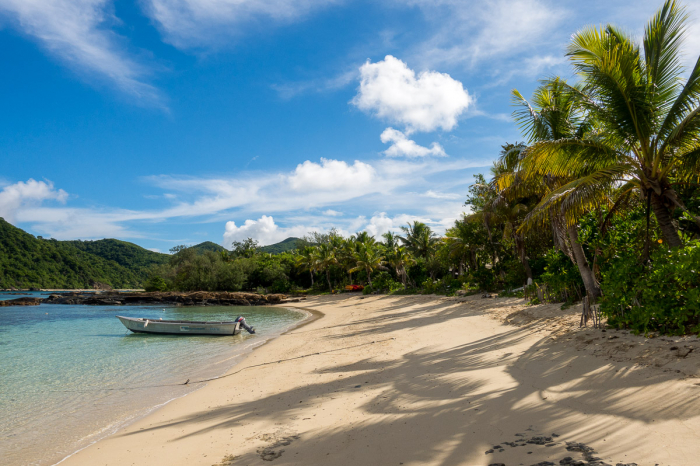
[
  {"x": 368, "y": 258},
  {"x": 647, "y": 121},
  {"x": 553, "y": 116}
]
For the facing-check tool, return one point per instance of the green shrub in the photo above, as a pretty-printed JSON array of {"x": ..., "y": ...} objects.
[
  {"x": 662, "y": 296},
  {"x": 383, "y": 281},
  {"x": 367, "y": 290},
  {"x": 156, "y": 283},
  {"x": 562, "y": 277}
]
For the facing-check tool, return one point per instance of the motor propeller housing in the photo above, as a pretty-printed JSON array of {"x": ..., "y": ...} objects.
[{"x": 249, "y": 328}]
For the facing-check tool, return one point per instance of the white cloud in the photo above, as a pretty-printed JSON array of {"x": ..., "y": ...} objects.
[
  {"x": 401, "y": 146},
  {"x": 76, "y": 31},
  {"x": 379, "y": 224},
  {"x": 332, "y": 213},
  {"x": 16, "y": 197},
  {"x": 472, "y": 32},
  {"x": 187, "y": 23},
  {"x": 438, "y": 195},
  {"x": 390, "y": 90},
  {"x": 264, "y": 230},
  {"x": 332, "y": 175}
]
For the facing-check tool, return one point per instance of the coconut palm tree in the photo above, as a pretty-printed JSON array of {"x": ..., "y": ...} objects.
[
  {"x": 305, "y": 260},
  {"x": 324, "y": 259},
  {"x": 419, "y": 239},
  {"x": 646, "y": 115},
  {"x": 397, "y": 256},
  {"x": 368, "y": 257},
  {"x": 553, "y": 116}
]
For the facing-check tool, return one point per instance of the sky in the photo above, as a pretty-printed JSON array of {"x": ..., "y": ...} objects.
[{"x": 167, "y": 122}]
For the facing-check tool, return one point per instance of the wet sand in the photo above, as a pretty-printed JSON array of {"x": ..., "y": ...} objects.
[{"x": 424, "y": 380}]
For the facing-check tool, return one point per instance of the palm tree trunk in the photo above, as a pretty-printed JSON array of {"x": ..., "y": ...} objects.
[
  {"x": 369, "y": 277},
  {"x": 328, "y": 278},
  {"x": 589, "y": 281},
  {"x": 520, "y": 246},
  {"x": 311, "y": 272},
  {"x": 665, "y": 221}
]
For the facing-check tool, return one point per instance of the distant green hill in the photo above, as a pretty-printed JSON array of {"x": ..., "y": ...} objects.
[
  {"x": 283, "y": 246},
  {"x": 29, "y": 262},
  {"x": 207, "y": 246},
  {"x": 126, "y": 254}
]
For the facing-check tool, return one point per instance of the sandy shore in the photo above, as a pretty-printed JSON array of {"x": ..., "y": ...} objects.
[{"x": 427, "y": 381}]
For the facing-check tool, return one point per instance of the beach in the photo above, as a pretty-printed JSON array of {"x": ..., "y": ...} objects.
[{"x": 382, "y": 380}]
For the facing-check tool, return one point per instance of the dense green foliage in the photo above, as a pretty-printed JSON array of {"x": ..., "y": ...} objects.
[
  {"x": 661, "y": 295},
  {"x": 29, "y": 262}
]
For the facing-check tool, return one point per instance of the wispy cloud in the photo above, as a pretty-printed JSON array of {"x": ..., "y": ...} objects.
[
  {"x": 310, "y": 187},
  {"x": 78, "y": 33},
  {"x": 196, "y": 23}
]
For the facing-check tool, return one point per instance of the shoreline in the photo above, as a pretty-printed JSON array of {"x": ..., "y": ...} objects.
[
  {"x": 420, "y": 380},
  {"x": 120, "y": 425}
]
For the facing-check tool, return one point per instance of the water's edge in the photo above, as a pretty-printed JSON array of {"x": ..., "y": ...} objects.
[{"x": 107, "y": 431}]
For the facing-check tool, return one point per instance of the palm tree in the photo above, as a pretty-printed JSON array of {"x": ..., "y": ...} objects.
[
  {"x": 419, "y": 239},
  {"x": 552, "y": 117},
  {"x": 397, "y": 256},
  {"x": 306, "y": 261},
  {"x": 647, "y": 121},
  {"x": 368, "y": 258},
  {"x": 324, "y": 259}
]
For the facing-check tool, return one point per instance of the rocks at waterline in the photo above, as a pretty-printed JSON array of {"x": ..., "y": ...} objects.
[
  {"x": 195, "y": 298},
  {"x": 21, "y": 302}
]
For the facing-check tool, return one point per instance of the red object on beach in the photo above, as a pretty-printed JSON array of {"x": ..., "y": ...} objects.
[{"x": 354, "y": 288}]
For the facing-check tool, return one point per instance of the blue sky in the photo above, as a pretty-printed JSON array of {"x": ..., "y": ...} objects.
[{"x": 168, "y": 122}]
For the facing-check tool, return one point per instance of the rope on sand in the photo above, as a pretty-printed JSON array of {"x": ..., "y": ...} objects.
[{"x": 188, "y": 382}]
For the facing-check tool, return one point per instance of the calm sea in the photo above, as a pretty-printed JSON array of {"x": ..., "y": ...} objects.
[{"x": 56, "y": 362}]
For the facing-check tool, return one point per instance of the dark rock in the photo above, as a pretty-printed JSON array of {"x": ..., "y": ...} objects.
[{"x": 22, "y": 302}]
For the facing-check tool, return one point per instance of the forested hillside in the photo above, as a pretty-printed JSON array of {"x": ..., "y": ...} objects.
[
  {"x": 287, "y": 245},
  {"x": 29, "y": 262}
]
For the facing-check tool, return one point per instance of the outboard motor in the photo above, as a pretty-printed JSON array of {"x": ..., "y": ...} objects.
[{"x": 249, "y": 328}]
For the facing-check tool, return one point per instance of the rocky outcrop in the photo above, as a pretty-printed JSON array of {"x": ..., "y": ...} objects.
[
  {"x": 195, "y": 298},
  {"x": 22, "y": 302}
]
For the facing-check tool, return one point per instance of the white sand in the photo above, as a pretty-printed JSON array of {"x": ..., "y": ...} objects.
[{"x": 444, "y": 381}]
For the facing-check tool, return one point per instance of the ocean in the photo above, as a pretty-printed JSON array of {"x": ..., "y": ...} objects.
[{"x": 71, "y": 375}]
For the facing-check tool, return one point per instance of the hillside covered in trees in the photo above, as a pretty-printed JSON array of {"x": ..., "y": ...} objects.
[{"x": 29, "y": 262}]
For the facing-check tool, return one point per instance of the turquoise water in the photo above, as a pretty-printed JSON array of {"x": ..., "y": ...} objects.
[{"x": 58, "y": 362}]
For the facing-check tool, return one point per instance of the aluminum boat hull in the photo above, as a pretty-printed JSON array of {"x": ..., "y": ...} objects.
[{"x": 179, "y": 327}]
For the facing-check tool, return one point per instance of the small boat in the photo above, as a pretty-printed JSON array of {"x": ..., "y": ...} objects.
[{"x": 184, "y": 327}]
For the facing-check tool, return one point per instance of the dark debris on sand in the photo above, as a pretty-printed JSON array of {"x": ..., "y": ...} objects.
[{"x": 587, "y": 452}]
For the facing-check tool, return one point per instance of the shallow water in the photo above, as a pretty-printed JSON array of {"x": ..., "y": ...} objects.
[{"x": 73, "y": 374}]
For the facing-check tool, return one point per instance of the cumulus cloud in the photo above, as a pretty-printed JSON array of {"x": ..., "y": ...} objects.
[
  {"x": 75, "y": 32},
  {"x": 332, "y": 213},
  {"x": 187, "y": 23},
  {"x": 390, "y": 90},
  {"x": 331, "y": 175},
  {"x": 22, "y": 195},
  {"x": 264, "y": 230},
  {"x": 401, "y": 146},
  {"x": 379, "y": 224}
]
